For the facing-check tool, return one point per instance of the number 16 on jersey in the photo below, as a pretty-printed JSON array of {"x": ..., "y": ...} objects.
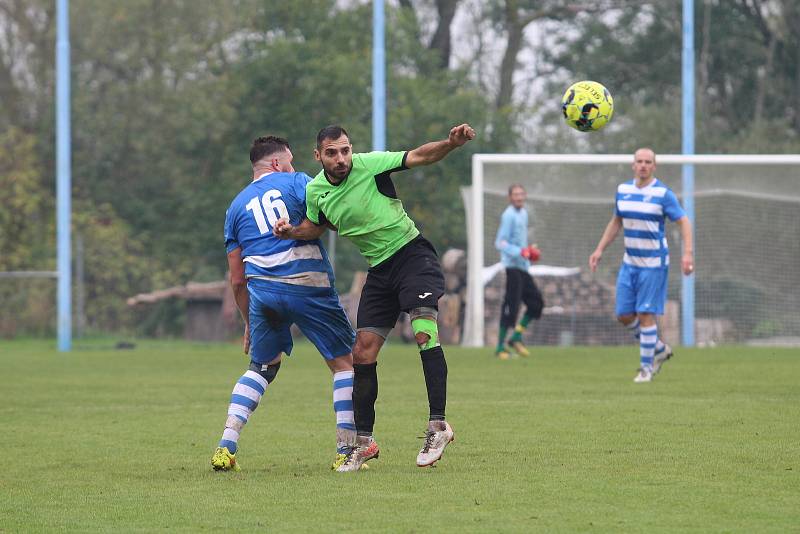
[{"x": 271, "y": 205}]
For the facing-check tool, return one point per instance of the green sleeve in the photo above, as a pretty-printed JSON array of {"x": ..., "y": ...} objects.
[
  {"x": 379, "y": 162},
  {"x": 312, "y": 207}
]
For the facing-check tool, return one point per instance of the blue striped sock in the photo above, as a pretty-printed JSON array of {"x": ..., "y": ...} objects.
[
  {"x": 246, "y": 395},
  {"x": 647, "y": 345},
  {"x": 343, "y": 406}
]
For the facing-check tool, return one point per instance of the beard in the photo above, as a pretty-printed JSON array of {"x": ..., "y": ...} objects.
[{"x": 339, "y": 173}]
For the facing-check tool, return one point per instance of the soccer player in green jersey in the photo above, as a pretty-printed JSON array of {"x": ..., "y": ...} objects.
[{"x": 354, "y": 194}]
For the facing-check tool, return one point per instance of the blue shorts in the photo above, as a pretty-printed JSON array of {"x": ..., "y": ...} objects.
[
  {"x": 641, "y": 290},
  {"x": 321, "y": 318}
]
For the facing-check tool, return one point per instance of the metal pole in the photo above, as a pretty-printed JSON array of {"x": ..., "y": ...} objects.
[
  {"x": 687, "y": 287},
  {"x": 63, "y": 177},
  {"x": 378, "y": 77},
  {"x": 474, "y": 328}
]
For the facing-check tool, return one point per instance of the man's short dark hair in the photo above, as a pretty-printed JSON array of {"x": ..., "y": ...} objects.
[
  {"x": 330, "y": 132},
  {"x": 266, "y": 146}
]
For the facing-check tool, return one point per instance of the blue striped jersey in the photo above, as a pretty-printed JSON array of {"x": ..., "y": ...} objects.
[
  {"x": 643, "y": 212},
  {"x": 288, "y": 266}
]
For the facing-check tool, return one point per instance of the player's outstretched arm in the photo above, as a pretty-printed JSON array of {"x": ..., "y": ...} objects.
[
  {"x": 304, "y": 231},
  {"x": 436, "y": 150},
  {"x": 240, "y": 294},
  {"x": 687, "y": 260},
  {"x": 609, "y": 235}
]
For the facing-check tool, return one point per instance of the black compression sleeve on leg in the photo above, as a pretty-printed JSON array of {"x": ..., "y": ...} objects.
[
  {"x": 365, "y": 392},
  {"x": 269, "y": 372},
  {"x": 435, "y": 368}
]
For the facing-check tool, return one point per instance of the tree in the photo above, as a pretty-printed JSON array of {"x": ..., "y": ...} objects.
[
  {"x": 441, "y": 40},
  {"x": 747, "y": 71},
  {"x": 26, "y": 237}
]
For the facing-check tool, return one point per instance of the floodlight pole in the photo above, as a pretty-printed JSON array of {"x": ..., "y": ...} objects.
[
  {"x": 687, "y": 287},
  {"x": 63, "y": 177},
  {"x": 378, "y": 77}
]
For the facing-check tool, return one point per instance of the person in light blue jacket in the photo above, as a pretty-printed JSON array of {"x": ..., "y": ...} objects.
[{"x": 516, "y": 255}]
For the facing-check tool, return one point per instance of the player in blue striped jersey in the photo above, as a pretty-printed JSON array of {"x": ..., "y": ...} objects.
[
  {"x": 277, "y": 283},
  {"x": 642, "y": 206}
]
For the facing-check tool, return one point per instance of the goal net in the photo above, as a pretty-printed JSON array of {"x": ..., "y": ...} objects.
[{"x": 746, "y": 286}]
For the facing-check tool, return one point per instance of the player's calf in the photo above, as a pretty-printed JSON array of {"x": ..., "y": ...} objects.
[{"x": 245, "y": 398}]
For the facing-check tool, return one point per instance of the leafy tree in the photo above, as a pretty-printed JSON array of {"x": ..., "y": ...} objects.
[
  {"x": 168, "y": 95},
  {"x": 747, "y": 67},
  {"x": 26, "y": 238}
]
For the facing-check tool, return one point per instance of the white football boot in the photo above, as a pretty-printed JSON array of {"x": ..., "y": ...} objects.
[
  {"x": 643, "y": 375},
  {"x": 437, "y": 437},
  {"x": 356, "y": 457},
  {"x": 661, "y": 358}
]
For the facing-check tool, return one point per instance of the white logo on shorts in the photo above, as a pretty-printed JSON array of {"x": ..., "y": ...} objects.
[{"x": 425, "y": 295}]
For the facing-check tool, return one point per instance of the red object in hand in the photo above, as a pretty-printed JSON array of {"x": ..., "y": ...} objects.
[{"x": 531, "y": 252}]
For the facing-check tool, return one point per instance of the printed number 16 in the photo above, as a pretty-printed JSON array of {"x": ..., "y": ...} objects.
[{"x": 273, "y": 206}]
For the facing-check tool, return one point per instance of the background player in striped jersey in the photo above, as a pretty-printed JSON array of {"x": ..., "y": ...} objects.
[
  {"x": 277, "y": 283},
  {"x": 641, "y": 208},
  {"x": 516, "y": 255},
  {"x": 355, "y": 194}
]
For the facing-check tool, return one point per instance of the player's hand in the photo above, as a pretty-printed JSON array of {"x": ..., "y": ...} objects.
[
  {"x": 246, "y": 339},
  {"x": 531, "y": 253},
  {"x": 594, "y": 259},
  {"x": 461, "y": 134},
  {"x": 687, "y": 264},
  {"x": 282, "y": 228}
]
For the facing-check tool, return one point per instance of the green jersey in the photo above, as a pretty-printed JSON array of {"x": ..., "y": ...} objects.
[{"x": 364, "y": 207}]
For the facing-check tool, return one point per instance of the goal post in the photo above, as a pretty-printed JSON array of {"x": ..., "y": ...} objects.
[{"x": 741, "y": 202}]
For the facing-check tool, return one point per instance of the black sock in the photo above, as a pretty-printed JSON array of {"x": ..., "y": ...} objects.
[
  {"x": 365, "y": 391},
  {"x": 435, "y": 368}
]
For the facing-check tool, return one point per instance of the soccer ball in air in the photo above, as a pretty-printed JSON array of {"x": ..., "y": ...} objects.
[{"x": 587, "y": 106}]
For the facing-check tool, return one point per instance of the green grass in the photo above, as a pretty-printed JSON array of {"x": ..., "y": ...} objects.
[{"x": 120, "y": 440}]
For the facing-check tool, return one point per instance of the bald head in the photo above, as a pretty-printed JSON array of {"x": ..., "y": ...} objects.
[
  {"x": 644, "y": 164},
  {"x": 644, "y": 152}
]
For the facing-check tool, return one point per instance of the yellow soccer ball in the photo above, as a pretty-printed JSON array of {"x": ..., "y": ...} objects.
[{"x": 587, "y": 106}]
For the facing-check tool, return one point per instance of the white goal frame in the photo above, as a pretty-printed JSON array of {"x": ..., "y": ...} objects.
[{"x": 474, "y": 313}]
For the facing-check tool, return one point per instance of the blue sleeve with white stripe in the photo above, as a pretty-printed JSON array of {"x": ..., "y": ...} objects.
[{"x": 672, "y": 208}]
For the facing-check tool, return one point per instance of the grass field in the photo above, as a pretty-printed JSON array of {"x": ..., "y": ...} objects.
[{"x": 104, "y": 439}]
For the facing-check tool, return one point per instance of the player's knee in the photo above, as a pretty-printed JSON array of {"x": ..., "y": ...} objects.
[
  {"x": 267, "y": 371},
  {"x": 368, "y": 343},
  {"x": 341, "y": 363},
  {"x": 646, "y": 319},
  {"x": 535, "y": 309},
  {"x": 625, "y": 319}
]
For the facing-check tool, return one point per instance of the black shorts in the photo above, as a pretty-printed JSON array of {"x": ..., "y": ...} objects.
[{"x": 411, "y": 278}]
